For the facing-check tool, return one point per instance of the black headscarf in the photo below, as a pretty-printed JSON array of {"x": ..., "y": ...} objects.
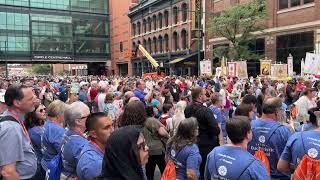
[{"x": 120, "y": 161}]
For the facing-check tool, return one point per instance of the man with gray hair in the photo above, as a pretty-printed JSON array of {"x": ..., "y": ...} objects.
[
  {"x": 75, "y": 117},
  {"x": 270, "y": 136}
]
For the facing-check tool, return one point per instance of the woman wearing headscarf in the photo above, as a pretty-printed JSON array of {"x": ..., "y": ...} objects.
[{"x": 126, "y": 153}]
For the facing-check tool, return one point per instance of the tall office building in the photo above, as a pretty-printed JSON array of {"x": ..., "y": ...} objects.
[{"x": 55, "y": 31}]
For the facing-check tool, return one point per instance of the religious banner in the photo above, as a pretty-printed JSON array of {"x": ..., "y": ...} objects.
[
  {"x": 290, "y": 65},
  {"x": 218, "y": 72},
  {"x": 206, "y": 67},
  {"x": 279, "y": 71},
  {"x": 232, "y": 69},
  {"x": 312, "y": 64},
  {"x": 265, "y": 67},
  {"x": 242, "y": 72}
]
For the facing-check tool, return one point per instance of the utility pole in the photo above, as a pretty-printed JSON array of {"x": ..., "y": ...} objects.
[{"x": 199, "y": 35}]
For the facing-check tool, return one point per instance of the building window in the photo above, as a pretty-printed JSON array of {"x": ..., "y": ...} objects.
[
  {"x": 283, "y": 4},
  {"x": 149, "y": 24},
  {"x": 160, "y": 44},
  {"x": 121, "y": 47},
  {"x": 149, "y": 45},
  {"x": 184, "y": 12},
  {"x": 134, "y": 29},
  {"x": 258, "y": 46},
  {"x": 295, "y": 3},
  {"x": 175, "y": 15},
  {"x": 295, "y": 44},
  {"x": 154, "y": 19},
  {"x": 308, "y": 1},
  {"x": 175, "y": 41},
  {"x": 166, "y": 42},
  {"x": 184, "y": 39},
  {"x": 155, "y": 47},
  {"x": 145, "y": 43},
  {"x": 139, "y": 28},
  {"x": 160, "y": 20},
  {"x": 144, "y": 26},
  {"x": 166, "y": 18}
]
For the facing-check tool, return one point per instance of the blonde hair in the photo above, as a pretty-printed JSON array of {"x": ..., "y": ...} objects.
[{"x": 56, "y": 107}]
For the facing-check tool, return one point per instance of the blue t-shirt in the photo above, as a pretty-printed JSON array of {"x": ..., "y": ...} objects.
[
  {"x": 229, "y": 162},
  {"x": 140, "y": 94},
  {"x": 35, "y": 134},
  {"x": 306, "y": 127},
  {"x": 90, "y": 163},
  {"x": 295, "y": 149},
  {"x": 219, "y": 118},
  {"x": 71, "y": 152},
  {"x": 272, "y": 137},
  {"x": 51, "y": 142},
  {"x": 83, "y": 97},
  {"x": 189, "y": 158}
]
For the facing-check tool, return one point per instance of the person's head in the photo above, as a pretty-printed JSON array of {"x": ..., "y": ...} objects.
[
  {"x": 187, "y": 133},
  {"x": 150, "y": 110},
  {"x": 21, "y": 98},
  {"x": 99, "y": 127},
  {"x": 134, "y": 114},
  {"x": 308, "y": 93},
  {"x": 83, "y": 86},
  {"x": 198, "y": 94},
  {"x": 245, "y": 110},
  {"x": 109, "y": 98},
  {"x": 271, "y": 108},
  {"x": 56, "y": 111},
  {"x": 216, "y": 101},
  {"x": 239, "y": 129},
  {"x": 180, "y": 107},
  {"x": 36, "y": 117},
  {"x": 264, "y": 90},
  {"x": 127, "y": 96},
  {"x": 141, "y": 85},
  {"x": 126, "y": 151},
  {"x": 167, "y": 108},
  {"x": 76, "y": 116},
  {"x": 250, "y": 100}
]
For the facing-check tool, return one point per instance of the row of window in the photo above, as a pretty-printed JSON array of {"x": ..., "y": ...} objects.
[
  {"x": 95, "y": 6},
  {"x": 161, "y": 44},
  {"x": 283, "y": 4},
  {"x": 160, "y": 21}
]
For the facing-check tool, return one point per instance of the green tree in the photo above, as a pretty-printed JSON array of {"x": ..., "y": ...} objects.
[
  {"x": 41, "y": 69},
  {"x": 237, "y": 25}
]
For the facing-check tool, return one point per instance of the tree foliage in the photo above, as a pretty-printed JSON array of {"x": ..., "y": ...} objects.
[
  {"x": 41, "y": 69},
  {"x": 237, "y": 25}
]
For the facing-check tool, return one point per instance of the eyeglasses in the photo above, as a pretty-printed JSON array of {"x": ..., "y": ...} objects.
[
  {"x": 42, "y": 110},
  {"x": 143, "y": 146},
  {"x": 83, "y": 117}
]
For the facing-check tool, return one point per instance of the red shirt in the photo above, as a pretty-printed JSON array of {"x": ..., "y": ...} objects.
[{"x": 93, "y": 92}]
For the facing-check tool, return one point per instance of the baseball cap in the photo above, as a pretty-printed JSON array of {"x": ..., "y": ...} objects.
[{"x": 82, "y": 83}]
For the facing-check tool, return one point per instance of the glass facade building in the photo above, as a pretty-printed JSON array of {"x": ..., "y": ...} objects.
[{"x": 55, "y": 30}]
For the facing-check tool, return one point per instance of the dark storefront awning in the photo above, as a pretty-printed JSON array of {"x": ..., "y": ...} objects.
[{"x": 183, "y": 58}]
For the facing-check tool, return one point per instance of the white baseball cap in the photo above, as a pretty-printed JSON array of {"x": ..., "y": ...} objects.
[{"x": 82, "y": 83}]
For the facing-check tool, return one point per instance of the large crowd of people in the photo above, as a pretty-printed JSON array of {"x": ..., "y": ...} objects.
[{"x": 122, "y": 128}]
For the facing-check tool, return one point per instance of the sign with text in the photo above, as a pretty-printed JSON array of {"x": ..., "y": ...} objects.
[{"x": 42, "y": 57}]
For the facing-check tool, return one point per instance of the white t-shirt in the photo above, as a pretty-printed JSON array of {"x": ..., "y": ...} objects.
[{"x": 101, "y": 103}]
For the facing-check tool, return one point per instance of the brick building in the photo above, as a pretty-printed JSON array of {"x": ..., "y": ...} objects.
[
  {"x": 165, "y": 28},
  {"x": 293, "y": 26},
  {"x": 120, "y": 31}
]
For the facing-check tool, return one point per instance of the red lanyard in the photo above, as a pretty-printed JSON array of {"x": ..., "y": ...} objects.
[
  {"x": 96, "y": 145},
  {"x": 16, "y": 116}
]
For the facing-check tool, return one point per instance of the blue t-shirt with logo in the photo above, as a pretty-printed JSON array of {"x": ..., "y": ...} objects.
[
  {"x": 306, "y": 127},
  {"x": 90, "y": 162},
  {"x": 220, "y": 118},
  {"x": 296, "y": 148},
  {"x": 271, "y": 137},
  {"x": 229, "y": 162},
  {"x": 188, "y": 157},
  {"x": 35, "y": 134}
]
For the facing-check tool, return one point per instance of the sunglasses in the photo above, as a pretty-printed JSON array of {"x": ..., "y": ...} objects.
[
  {"x": 143, "y": 146},
  {"x": 42, "y": 110}
]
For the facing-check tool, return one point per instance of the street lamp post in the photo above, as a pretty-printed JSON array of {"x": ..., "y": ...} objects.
[{"x": 199, "y": 37}]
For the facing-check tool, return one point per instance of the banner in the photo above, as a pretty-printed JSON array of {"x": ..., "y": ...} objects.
[
  {"x": 290, "y": 65},
  {"x": 218, "y": 72},
  {"x": 242, "y": 72},
  {"x": 206, "y": 67},
  {"x": 279, "y": 71},
  {"x": 232, "y": 69},
  {"x": 302, "y": 67},
  {"x": 265, "y": 67},
  {"x": 312, "y": 64}
]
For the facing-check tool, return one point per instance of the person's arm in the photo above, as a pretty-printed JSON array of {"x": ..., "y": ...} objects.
[
  {"x": 148, "y": 97},
  {"x": 191, "y": 174},
  {"x": 163, "y": 132},
  {"x": 9, "y": 172},
  {"x": 221, "y": 139},
  {"x": 283, "y": 166}
]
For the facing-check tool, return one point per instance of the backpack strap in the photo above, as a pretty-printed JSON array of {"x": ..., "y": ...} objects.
[
  {"x": 276, "y": 127},
  {"x": 8, "y": 118},
  {"x": 304, "y": 148},
  {"x": 246, "y": 168}
]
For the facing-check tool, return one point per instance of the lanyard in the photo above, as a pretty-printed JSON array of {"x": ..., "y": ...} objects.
[
  {"x": 15, "y": 115},
  {"x": 96, "y": 145}
]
